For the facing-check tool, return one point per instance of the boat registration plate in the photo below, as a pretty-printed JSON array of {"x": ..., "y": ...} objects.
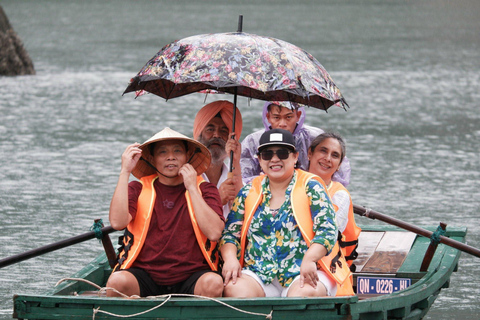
[{"x": 380, "y": 285}]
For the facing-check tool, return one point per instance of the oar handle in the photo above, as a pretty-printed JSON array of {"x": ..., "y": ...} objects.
[
  {"x": 52, "y": 247},
  {"x": 432, "y": 247},
  {"x": 410, "y": 227},
  {"x": 108, "y": 246}
]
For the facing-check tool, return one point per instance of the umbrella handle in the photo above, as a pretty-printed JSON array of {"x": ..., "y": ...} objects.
[{"x": 240, "y": 23}]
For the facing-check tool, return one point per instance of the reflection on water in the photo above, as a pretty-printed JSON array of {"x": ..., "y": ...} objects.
[{"x": 410, "y": 72}]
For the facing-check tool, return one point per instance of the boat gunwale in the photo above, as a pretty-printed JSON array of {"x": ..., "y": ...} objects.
[{"x": 420, "y": 295}]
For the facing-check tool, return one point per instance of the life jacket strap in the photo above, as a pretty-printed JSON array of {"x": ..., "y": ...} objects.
[
  {"x": 335, "y": 261},
  {"x": 126, "y": 242},
  {"x": 213, "y": 255},
  {"x": 344, "y": 244}
]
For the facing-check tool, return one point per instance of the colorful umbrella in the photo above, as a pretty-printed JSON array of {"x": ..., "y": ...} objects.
[{"x": 239, "y": 63}]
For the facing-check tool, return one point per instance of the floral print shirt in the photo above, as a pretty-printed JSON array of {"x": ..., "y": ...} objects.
[{"x": 275, "y": 245}]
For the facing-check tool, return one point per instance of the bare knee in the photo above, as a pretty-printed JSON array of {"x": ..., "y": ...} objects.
[
  {"x": 307, "y": 290},
  {"x": 234, "y": 290},
  {"x": 245, "y": 287},
  {"x": 209, "y": 284},
  {"x": 123, "y": 282}
]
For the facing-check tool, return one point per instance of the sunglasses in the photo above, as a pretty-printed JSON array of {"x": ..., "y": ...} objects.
[{"x": 282, "y": 154}]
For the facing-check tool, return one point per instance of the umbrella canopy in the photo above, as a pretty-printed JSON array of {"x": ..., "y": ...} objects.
[{"x": 238, "y": 63}]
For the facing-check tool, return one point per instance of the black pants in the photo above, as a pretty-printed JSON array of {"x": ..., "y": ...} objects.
[{"x": 149, "y": 288}]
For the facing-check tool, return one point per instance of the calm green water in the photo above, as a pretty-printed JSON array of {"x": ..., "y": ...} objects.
[{"x": 409, "y": 69}]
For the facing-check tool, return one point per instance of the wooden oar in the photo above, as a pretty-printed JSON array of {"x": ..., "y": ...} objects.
[
  {"x": 410, "y": 227},
  {"x": 52, "y": 247}
]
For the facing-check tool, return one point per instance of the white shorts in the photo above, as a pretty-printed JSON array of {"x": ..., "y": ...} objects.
[{"x": 275, "y": 289}]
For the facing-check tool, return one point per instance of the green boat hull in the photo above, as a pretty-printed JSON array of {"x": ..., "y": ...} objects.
[{"x": 74, "y": 299}]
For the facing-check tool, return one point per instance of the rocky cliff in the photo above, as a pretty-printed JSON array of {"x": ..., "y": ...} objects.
[{"x": 14, "y": 59}]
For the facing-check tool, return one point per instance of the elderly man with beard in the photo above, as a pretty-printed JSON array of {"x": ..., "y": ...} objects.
[{"x": 213, "y": 127}]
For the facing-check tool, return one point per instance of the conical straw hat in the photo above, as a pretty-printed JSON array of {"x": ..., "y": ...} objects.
[{"x": 198, "y": 154}]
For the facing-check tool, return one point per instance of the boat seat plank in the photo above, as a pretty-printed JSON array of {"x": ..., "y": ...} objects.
[
  {"x": 396, "y": 241},
  {"x": 390, "y": 252},
  {"x": 367, "y": 243}
]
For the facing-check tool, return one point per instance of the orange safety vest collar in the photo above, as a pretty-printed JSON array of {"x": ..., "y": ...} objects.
[
  {"x": 333, "y": 264},
  {"x": 137, "y": 229}
]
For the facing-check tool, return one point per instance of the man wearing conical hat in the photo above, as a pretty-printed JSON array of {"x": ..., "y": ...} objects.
[
  {"x": 213, "y": 127},
  {"x": 172, "y": 218}
]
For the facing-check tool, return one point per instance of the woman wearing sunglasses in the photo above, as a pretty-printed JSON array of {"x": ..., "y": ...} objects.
[{"x": 280, "y": 229}]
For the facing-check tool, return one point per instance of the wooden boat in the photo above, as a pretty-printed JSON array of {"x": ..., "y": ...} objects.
[{"x": 388, "y": 280}]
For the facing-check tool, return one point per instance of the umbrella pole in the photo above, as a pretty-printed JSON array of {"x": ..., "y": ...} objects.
[
  {"x": 230, "y": 174},
  {"x": 230, "y": 171}
]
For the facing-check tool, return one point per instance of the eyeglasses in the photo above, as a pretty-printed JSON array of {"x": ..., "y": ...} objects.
[{"x": 282, "y": 154}]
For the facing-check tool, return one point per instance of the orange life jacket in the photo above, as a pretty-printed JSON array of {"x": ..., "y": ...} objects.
[
  {"x": 137, "y": 229},
  {"x": 333, "y": 264},
  {"x": 349, "y": 239}
]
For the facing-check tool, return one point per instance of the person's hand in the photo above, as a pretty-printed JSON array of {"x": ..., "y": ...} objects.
[
  {"x": 231, "y": 270},
  {"x": 130, "y": 157},
  {"x": 189, "y": 175},
  {"x": 308, "y": 273},
  {"x": 227, "y": 190},
  {"x": 232, "y": 144}
]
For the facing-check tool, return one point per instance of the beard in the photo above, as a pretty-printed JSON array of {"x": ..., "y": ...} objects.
[{"x": 216, "y": 146}]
